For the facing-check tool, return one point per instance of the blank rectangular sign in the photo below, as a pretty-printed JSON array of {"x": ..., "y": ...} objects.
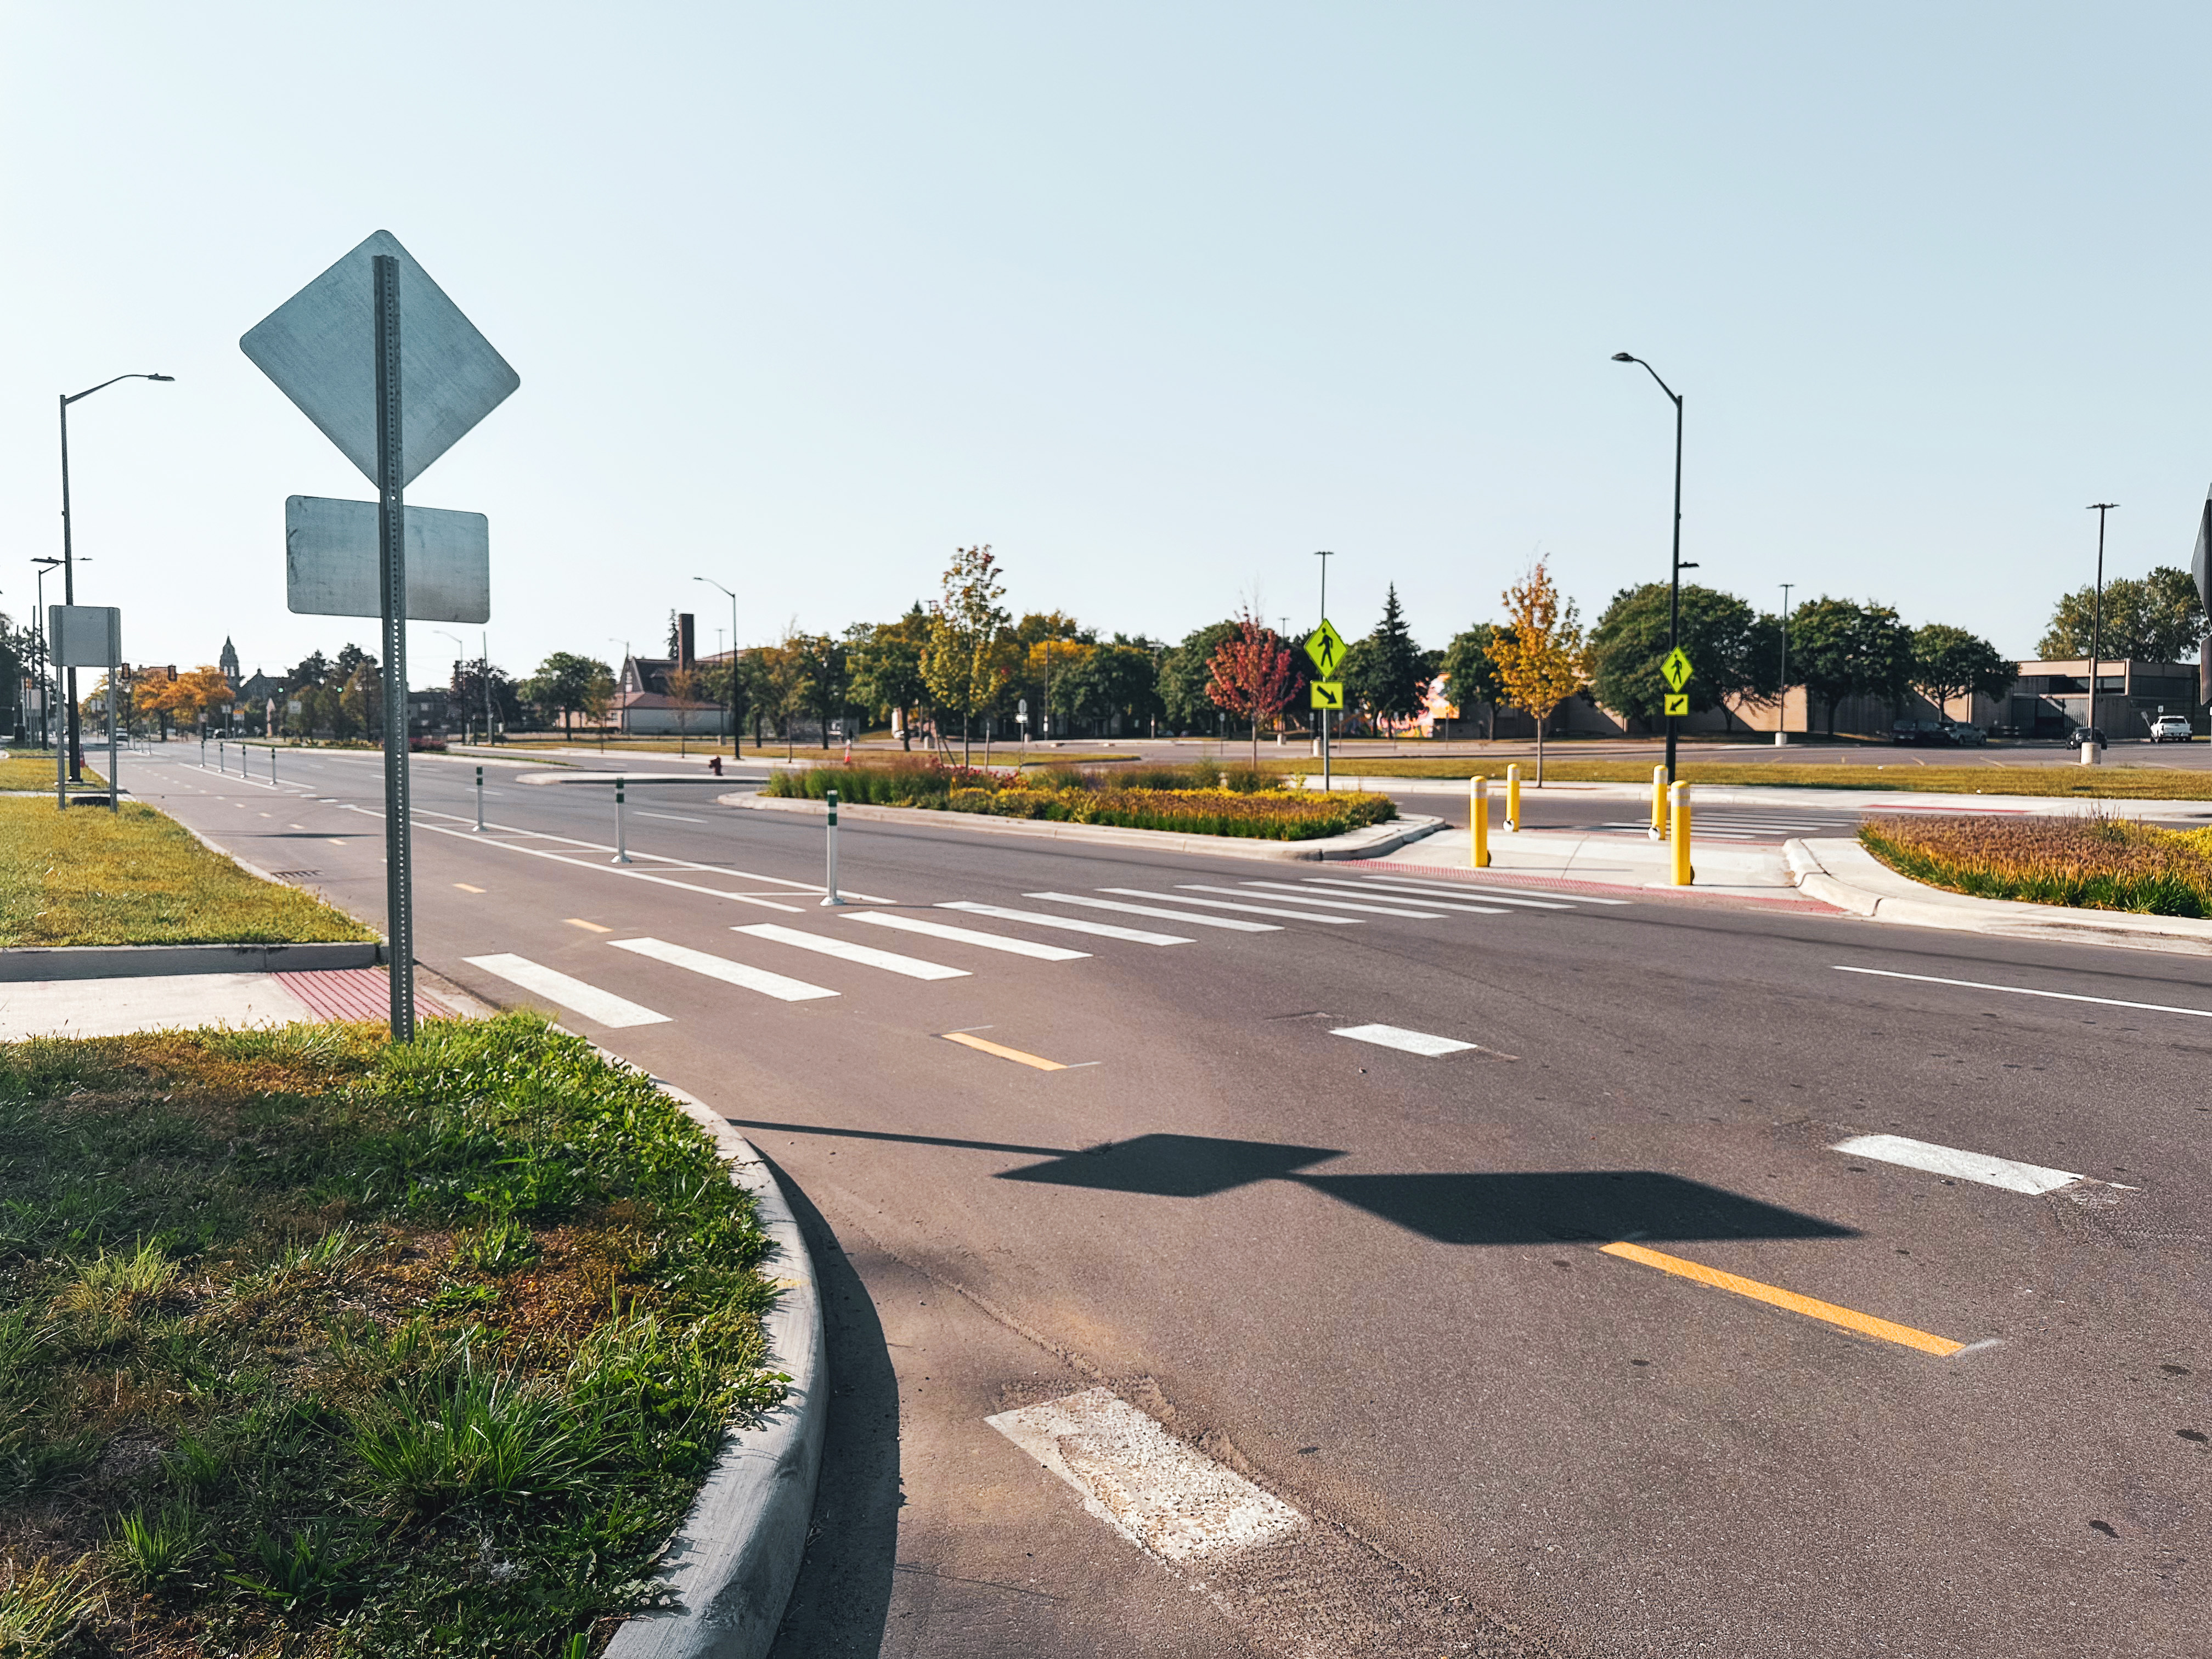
[
  {"x": 85, "y": 635},
  {"x": 331, "y": 564}
]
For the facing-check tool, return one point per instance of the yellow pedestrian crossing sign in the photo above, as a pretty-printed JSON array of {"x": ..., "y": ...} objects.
[
  {"x": 1678, "y": 702},
  {"x": 1326, "y": 647},
  {"x": 1675, "y": 669},
  {"x": 1328, "y": 693}
]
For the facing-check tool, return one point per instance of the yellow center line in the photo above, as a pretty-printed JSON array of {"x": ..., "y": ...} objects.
[
  {"x": 1849, "y": 1319},
  {"x": 588, "y": 927},
  {"x": 465, "y": 888},
  {"x": 1004, "y": 1053}
]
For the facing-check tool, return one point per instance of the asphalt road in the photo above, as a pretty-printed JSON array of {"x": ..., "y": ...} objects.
[{"x": 1376, "y": 1279}]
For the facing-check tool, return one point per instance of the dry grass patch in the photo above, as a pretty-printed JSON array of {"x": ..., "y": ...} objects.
[
  {"x": 137, "y": 877},
  {"x": 2094, "y": 862},
  {"x": 21, "y": 771}
]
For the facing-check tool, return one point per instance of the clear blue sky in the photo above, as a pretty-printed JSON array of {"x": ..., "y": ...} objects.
[{"x": 1154, "y": 299}]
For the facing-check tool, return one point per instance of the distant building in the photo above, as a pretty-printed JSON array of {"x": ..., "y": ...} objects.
[
  {"x": 228, "y": 662},
  {"x": 644, "y": 701},
  {"x": 2051, "y": 697}
]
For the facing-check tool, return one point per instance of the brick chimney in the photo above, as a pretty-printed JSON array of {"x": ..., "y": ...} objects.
[{"x": 687, "y": 654}]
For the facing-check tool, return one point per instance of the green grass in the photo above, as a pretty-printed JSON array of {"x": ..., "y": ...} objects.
[
  {"x": 2090, "y": 862},
  {"x": 2088, "y": 783},
  {"x": 137, "y": 877},
  {"x": 22, "y": 771},
  {"x": 243, "y": 1411}
]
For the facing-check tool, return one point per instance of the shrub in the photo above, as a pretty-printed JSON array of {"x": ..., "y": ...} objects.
[{"x": 2092, "y": 861}]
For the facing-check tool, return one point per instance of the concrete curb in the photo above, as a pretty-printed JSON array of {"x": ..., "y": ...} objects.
[
  {"x": 732, "y": 1562},
  {"x": 1370, "y": 843},
  {"x": 578, "y": 775},
  {"x": 1805, "y": 796},
  {"x": 22, "y": 963},
  {"x": 1842, "y": 872}
]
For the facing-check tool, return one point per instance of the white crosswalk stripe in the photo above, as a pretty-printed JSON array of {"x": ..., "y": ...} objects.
[
  {"x": 1423, "y": 888},
  {"x": 1432, "y": 904},
  {"x": 721, "y": 968},
  {"x": 602, "y": 1007},
  {"x": 1067, "y": 924},
  {"x": 1397, "y": 1037},
  {"x": 845, "y": 951},
  {"x": 1184, "y": 917},
  {"x": 1224, "y": 904},
  {"x": 1015, "y": 947},
  {"x": 1321, "y": 903}
]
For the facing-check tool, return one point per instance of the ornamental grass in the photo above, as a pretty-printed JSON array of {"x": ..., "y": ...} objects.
[
  {"x": 2094, "y": 862},
  {"x": 1199, "y": 799}
]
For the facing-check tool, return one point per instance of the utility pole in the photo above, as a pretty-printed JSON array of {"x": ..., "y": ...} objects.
[
  {"x": 2097, "y": 619},
  {"x": 1782, "y": 709},
  {"x": 736, "y": 751}
]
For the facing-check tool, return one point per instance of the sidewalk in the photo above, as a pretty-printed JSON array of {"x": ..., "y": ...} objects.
[
  {"x": 1723, "y": 870},
  {"x": 1834, "y": 801},
  {"x": 117, "y": 1007}
]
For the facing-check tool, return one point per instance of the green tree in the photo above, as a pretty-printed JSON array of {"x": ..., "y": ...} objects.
[
  {"x": 1842, "y": 649},
  {"x": 1948, "y": 662},
  {"x": 1733, "y": 651},
  {"x": 966, "y": 663},
  {"x": 825, "y": 665},
  {"x": 2155, "y": 618},
  {"x": 361, "y": 701},
  {"x": 1183, "y": 677},
  {"x": 567, "y": 685},
  {"x": 886, "y": 671},
  {"x": 1384, "y": 674},
  {"x": 1540, "y": 655},
  {"x": 1470, "y": 677}
]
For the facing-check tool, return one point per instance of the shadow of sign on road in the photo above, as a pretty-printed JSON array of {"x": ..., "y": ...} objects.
[{"x": 1173, "y": 1166}]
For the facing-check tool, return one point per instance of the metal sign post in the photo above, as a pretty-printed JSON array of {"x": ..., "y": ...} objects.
[{"x": 391, "y": 571}]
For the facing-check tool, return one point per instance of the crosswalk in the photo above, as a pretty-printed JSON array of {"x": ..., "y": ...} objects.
[
  {"x": 1720, "y": 824},
  {"x": 764, "y": 950}
]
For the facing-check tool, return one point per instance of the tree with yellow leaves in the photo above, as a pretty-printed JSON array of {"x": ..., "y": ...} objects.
[{"x": 1539, "y": 652}]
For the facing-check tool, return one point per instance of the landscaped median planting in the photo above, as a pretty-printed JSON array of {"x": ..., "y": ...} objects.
[
  {"x": 314, "y": 1344},
  {"x": 2094, "y": 862},
  {"x": 1198, "y": 799}
]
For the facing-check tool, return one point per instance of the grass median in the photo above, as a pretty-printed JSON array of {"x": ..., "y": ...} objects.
[
  {"x": 312, "y": 1345},
  {"x": 2090, "y": 862},
  {"x": 2082, "y": 782},
  {"x": 19, "y": 771},
  {"x": 137, "y": 877}
]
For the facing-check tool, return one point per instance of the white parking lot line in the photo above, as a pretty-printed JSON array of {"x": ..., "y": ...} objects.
[
  {"x": 2032, "y": 1179},
  {"x": 1184, "y": 917},
  {"x": 1067, "y": 924},
  {"x": 1223, "y": 904},
  {"x": 721, "y": 968},
  {"x": 1164, "y": 1496},
  {"x": 845, "y": 951},
  {"x": 1396, "y": 1036},
  {"x": 604, "y": 1007},
  {"x": 1016, "y": 947}
]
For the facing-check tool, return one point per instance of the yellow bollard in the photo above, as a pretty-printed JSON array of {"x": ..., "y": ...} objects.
[
  {"x": 1678, "y": 801},
  {"x": 1478, "y": 823},
  {"x": 1658, "y": 802},
  {"x": 1513, "y": 798}
]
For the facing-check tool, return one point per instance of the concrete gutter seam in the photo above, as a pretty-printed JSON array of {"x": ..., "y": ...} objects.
[
  {"x": 1843, "y": 873},
  {"x": 22, "y": 964},
  {"x": 1370, "y": 843},
  {"x": 732, "y": 1562}
]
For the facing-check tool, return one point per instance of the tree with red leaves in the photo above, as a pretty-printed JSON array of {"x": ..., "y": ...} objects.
[{"x": 1253, "y": 675}]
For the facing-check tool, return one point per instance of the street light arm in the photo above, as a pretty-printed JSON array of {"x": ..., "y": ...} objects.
[
  {"x": 80, "y": 397},
  {"x": 711, "y": 582},
  {"x": 1630, "y": 357}
]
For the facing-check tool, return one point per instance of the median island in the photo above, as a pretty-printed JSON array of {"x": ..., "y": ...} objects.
[
  {"x": 2093, "y": 862},
  {"x": 1195, "y": 799},
  {"x": 313, "y": 1345}
]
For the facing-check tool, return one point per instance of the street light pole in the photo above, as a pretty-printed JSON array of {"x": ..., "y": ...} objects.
[
  {"x": 736, "y": 750},
  {"x": 1782, "y": 711},
  {"x": 460, "y": 656},
  {"x": 1674, "y": 580},
  {"x": 69, "y": 558},
  {"x": 2096, "y": 615},
  {"x": 40, "y": 658}
]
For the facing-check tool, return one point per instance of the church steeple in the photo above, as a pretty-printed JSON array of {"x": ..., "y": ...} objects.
[{"x": 228, "y": 662}]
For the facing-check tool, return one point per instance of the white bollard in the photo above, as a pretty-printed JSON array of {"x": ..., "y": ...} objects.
[
  {"x": 621, "y": 838},
  {"x": 829, "y": 896},
  {"x": 480, "y": 801}
]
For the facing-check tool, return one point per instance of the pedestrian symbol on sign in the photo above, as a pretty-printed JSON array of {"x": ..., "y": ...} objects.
[{"x": 1326, "y": 647}]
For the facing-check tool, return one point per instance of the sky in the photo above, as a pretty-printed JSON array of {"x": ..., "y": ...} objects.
[{"x": 1156, "y": 300}]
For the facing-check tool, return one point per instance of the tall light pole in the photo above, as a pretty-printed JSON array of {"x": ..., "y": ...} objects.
[
  {"x": 460, "y": 653},
  {"x": 1674, "y": 580},
  {"x": 68, "y": 560},
  {"x": 2096, "y": 615},
  {"x": 1782, "y": 713},
  {"x": 47, "y": 715},
  {"x": 735, "y": 751}
]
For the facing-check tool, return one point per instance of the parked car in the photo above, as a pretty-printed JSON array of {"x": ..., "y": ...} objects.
[
  {"x": 1918, "y": 731},
  {"x": 1966, "y": 736},
  {"x": 2171, "y": 728},
  {"x": 2082, "y": 734}
]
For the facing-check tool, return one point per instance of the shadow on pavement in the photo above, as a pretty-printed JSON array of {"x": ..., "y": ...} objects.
[
  {"x": 1536, "y": 1207},
  {"x": 841, "y": 1599},
  {"x": 1173, "y": 1166}
]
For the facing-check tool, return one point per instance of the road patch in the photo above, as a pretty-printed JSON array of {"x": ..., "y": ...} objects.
[
  {"x": 1849, "y": 1319},
  {"x": 603, "y": 1007},
  {"x": 1168, "y": 1498}
]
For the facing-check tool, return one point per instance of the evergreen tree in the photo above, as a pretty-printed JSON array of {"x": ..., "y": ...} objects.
[{"x": 1388, "y": 668}]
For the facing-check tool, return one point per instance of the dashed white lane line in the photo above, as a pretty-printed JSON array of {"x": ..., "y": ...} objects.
[
  {"x": 845, "y": 951},
  {"x": 1396, "y": 1036},
  {"x": 2024, "y": 991},
  {"x": 2032, "y": 1179},
  {"x": 1305, "y": 898},
  {"x": 1166, "y": 1498},
  {"x": 730, "y": 973},
  {"x": 594, "y": 1003},
  {"x": 1067, "y": 924},
  {"x": 669, "y": 817},
  {"x": 1418, "y": 890},
  {"x": 1015, "y": 947},
  {"x": 1183, "y": 916},
  {"x": 1223, "y": 904}
]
